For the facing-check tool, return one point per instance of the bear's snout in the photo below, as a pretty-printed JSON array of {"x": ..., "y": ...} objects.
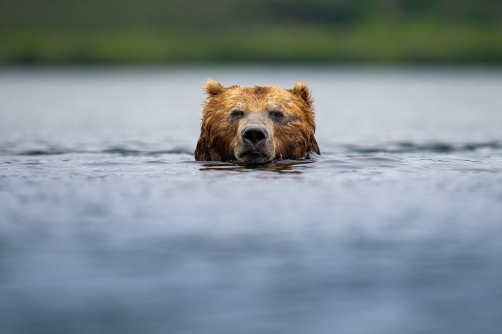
[
  {"x": 254, "y": 136},
  {"x": 254, "y": 144}
]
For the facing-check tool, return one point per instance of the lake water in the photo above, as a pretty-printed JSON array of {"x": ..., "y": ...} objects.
[{"x": 108, "y": 225}]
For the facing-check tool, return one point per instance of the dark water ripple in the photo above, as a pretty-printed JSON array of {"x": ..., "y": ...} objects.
[
  {"x": 114, "y": 150},
  {"x": 433, "y": 147},
  {"x": 396, "y": 147}
]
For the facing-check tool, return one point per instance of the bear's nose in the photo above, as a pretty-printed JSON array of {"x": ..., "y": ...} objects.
[{"x": 254, "y": 135}]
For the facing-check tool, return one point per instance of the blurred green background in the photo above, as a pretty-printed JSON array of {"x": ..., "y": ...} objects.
[{"x": 259, "y": 31}]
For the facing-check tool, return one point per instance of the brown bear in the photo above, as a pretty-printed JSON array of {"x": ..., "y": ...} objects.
[{"x": 256, "y": 124}]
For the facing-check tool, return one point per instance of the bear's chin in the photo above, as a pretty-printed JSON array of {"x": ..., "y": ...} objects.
[{"x": 253, "y": 157}]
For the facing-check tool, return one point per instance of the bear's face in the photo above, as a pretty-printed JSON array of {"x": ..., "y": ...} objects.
[{"x": 256, "y": 124}]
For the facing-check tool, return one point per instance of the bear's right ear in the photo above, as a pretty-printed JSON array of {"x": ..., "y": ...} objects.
[{"x": 213, "y": 88}]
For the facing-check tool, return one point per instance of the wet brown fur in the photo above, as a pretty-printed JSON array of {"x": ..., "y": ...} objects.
[{"x": 293, "y": 138}]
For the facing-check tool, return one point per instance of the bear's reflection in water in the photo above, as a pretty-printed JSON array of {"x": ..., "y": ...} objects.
[
  {"x": 310, "y": 165},
  {"x": 281, "y": 167}
]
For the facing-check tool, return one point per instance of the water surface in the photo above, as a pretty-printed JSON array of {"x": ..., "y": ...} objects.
[{"x": 108, "y": 225}]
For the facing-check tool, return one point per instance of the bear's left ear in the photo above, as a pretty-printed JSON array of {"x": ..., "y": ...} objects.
[
  {"x": 302, "y": 91},
  {"x": 213, "y": 88}
]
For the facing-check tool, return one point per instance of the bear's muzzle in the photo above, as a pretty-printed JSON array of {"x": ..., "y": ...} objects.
[{"x": 254, "y": 145}]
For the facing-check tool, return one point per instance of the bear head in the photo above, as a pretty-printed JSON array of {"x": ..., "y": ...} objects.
[{"x": 256, "y": 124}]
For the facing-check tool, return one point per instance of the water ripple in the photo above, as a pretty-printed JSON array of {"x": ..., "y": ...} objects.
[
  {"x": 392, "y": 147},
  {"x": 123, "y": 151},
  {"x": 410, "y": 147}
]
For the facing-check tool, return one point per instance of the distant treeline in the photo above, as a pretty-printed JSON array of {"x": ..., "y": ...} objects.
[{"x": 201, "y": 31}]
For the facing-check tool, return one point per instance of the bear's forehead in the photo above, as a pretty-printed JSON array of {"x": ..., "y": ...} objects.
[{"x": 263, "y": 96}]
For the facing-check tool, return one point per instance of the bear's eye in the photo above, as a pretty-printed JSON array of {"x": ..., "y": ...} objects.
[
  {"x": 237, "y": 113},
  {"x": 277, "y": 114}
]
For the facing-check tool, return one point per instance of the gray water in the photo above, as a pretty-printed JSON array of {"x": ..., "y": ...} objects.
[{"x": 108, "y": 225}]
